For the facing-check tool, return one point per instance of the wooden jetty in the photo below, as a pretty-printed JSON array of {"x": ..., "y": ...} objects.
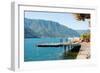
[
  {"x": 84, "y": 52},
  {"x": 68, "y": 45}
]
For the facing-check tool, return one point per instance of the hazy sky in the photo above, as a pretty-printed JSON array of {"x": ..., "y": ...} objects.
[{"x": 67, "y": 19}]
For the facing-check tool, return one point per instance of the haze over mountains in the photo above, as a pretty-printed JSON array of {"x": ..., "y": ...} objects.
[
  {"x": 37, "y": 28},
  {"x": 83, "y": 31}
]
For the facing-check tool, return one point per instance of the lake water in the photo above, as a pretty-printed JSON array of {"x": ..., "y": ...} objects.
[{"x": 34, "y": 53}]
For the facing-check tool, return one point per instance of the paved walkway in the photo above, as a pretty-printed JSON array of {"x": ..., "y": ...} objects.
[{"x": 84, "y": 52}]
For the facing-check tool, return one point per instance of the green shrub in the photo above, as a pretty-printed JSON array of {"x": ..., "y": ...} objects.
[{"x": 85, "y": 37}]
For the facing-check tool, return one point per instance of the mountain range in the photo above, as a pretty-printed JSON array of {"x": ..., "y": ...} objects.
[{"x": 37, "y": 28}]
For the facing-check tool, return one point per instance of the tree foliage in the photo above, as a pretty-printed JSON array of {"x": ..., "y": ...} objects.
[
  {"x": 80, "y": 16},
  {"x": 85, "y": 37}
]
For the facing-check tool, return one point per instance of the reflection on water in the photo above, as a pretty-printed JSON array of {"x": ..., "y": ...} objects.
[{"x": 34, "y": 53}]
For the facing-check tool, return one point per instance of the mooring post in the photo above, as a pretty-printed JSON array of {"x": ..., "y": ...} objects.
[
  {"x": 68, "y": 47},
  {"x": 64, "y": 48}
]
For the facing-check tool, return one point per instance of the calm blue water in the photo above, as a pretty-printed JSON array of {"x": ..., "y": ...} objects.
[{"x": 34, "y": 53}]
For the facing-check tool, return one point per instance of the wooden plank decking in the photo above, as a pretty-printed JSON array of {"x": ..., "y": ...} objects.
[
  {"x": 68, "y": 45},
  {"x": 57, "y": 44},
  {"x": 84, "y": 52}
]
